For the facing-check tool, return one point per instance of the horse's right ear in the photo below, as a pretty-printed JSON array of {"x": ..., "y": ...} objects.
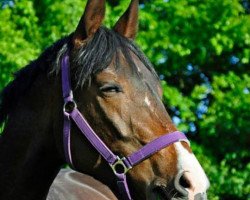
[{"x": 90, "y": 21}]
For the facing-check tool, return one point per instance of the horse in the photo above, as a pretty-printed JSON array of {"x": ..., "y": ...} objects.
[{"x": 94, "y": 101}]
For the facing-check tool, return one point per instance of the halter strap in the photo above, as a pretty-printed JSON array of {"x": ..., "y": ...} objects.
[
  {"x": 71, "y": 112},
  {"x": 154, "y": 146}
]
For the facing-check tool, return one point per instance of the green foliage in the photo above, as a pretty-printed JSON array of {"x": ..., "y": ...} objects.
[
  {"x": 201, "y": 49},
  {"x": 17, "y": 46},
  {"x": 177, "y": 101},
  {"x": 57, "y": 19},
  {"x": 228, "y": 114},
  {"x": 230, "y": 182}
]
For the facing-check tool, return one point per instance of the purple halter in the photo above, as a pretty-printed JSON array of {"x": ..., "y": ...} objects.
[{"x": 120, "y": 166}]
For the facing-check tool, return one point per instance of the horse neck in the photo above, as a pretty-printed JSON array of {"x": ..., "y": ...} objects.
[{"x": 29, "y": 160}]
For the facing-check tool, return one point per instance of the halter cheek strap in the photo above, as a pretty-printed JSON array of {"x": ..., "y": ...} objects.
[{"x": 120, "y": 166}]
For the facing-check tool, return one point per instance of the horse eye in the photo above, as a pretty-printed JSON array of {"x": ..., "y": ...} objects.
[{"x": 111, "y": 88}]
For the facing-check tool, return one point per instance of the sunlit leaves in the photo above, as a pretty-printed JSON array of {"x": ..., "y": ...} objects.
[
  {"x": 180, "y": 105},
  {"x": 226, "y": 180},
  {"x": 17, "y": 45},
  {"x": 228, "y": 115}
]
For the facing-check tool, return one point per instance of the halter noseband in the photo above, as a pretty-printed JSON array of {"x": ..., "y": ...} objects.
[{"x": 120, "y": 166}]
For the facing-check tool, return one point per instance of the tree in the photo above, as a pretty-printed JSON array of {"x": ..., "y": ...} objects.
[{"x": 201, "y": 51}]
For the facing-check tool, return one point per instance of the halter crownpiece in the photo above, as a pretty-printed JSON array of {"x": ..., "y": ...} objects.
[{"x": 120, "y": 166}]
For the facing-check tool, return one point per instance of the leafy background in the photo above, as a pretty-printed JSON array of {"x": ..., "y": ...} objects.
[{"x": 201, "y": 50}]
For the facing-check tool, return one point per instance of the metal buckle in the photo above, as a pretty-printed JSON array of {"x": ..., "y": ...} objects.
[
  {"x": 69, "y": 106},
  {"x": 119, "y": 167}
]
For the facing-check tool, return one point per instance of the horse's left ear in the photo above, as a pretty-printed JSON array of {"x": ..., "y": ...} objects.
[
  {"x": 90, "y": 21},
  {"x": 127, "y": 25}
]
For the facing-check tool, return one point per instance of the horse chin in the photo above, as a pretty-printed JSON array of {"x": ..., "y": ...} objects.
[
  {"x": 161, "y": 194},
  {"x": 158, "y": 193}
]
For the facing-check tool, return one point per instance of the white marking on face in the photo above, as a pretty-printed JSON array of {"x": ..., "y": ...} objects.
[
  {"x": 138, "y": 68},
  {"x": 110, "y": 71},
  {"x": 147, "y": 101},
  {"x": 194, "y": 173}
]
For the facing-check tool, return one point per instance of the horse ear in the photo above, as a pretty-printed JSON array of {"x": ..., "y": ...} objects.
[
  {"x": 90, "y": 21},
  {"x": 127, "y": 25}
]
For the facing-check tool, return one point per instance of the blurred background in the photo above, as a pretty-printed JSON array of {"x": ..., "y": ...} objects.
[{"x": 201, "y": 51}]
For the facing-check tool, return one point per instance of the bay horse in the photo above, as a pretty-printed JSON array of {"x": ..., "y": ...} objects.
[{"x": 94, "y": 101}]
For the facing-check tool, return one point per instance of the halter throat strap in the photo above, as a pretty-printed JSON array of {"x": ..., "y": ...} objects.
[{"x": 120, "y": 166}]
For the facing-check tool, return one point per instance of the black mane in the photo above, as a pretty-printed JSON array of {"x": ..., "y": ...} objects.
[
  {"x": 25, "y": 77},
  {"x": 95, "y": 56}
]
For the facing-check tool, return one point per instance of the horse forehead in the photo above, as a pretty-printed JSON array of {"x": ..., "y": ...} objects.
[{"x": 133, "y": 73}]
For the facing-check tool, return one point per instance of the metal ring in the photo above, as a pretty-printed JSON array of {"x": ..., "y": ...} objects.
[
  {"x": 69, "y": 106},
  {"x": 119, "y": 167}
]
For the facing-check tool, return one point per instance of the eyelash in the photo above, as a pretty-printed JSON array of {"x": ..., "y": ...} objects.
[{"x": 111, "y": 88}]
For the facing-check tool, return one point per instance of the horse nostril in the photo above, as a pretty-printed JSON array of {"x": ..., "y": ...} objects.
[{"x": 184, "y": 182}]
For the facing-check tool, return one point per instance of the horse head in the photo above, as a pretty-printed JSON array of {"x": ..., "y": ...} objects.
[{"x": 119, "y": 94}]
